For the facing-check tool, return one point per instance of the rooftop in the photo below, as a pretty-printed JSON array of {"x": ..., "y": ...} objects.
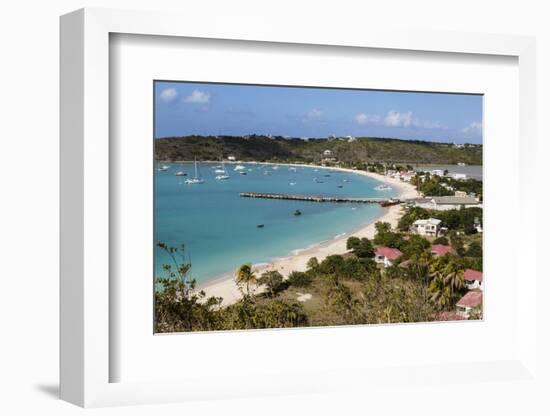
[
  {"x": 440, "y": 249},
  {"x": 388, "y": 252},
  {"x": 429, "y": 221},
  {"x": 470, "y": 299},
  {"x": 456, "y": 200},
  {"x": 472, "y": 275}
]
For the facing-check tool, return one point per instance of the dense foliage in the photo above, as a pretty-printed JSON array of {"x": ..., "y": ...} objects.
[
  {"x": 356, "y": 153},
  {"x": 433, "y": 185},
  {"x": 349, "y": 289},
  {"x": 464, "y": 219}
]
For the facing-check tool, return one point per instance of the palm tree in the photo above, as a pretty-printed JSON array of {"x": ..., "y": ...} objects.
[
  {"x": 440, "y": 293},
  {"x": 245, "y": 276},
  {"x": 437, "y": 270},
  {"x": 454, "y": 276},
  {"x": 420, "y": 266}
]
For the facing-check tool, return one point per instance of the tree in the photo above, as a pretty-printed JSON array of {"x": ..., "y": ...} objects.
[
  {"x": 441, "y": 240},
  {"x": 332, "y": 265},
  {"x": 382, "y": 227},
  {"x": 419, "y": 267},
  {"x": 245, "y": 277},
  {"x": 457, "y": 243},
  {"x": 299, "y": 279},
  {"x": 178, "y": 306},
  {"x": 474, "y": 250},
  {"x": 415, "y": 245},
  {"x": 353, "y": 242},
  {"x": 361, "y": 247},
  {"x": 312, "y": 263},
  {"x": 453, "y": 276},
  {"x": 273, "y": 281},
  {"x": 440, "y": 294}
]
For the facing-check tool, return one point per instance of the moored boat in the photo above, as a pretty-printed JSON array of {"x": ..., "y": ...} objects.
[{"x": 195, "y": 180}]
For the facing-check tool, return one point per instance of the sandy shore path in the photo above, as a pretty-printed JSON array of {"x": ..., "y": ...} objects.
[{"x": 226, "y": 287}]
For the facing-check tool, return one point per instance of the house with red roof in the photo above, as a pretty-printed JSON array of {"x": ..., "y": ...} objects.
[
  {"x": 473, "y": 279},
  {"x": 468, "y": 302},
  {"x": 439, "y": 250},
  {"x": 386, "y": 255}
]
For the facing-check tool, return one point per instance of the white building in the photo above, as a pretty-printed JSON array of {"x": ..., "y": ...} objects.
[
  {"x": 351, "y": 139},
  {"x": 459, "y": 176},
  {"x": 429, "y": 227},
  {"x": 444, "y": 203},
  {"x": 438, "y": 172},
  {"x": 327, "y": 153},
  {"x": 231, "y": 158}
]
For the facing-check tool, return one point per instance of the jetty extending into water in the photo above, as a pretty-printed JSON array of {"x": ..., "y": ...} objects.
[{"x": 320, "y": 198}]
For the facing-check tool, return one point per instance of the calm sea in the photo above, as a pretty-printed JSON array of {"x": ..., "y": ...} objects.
[{"x": 219, "y": 228}]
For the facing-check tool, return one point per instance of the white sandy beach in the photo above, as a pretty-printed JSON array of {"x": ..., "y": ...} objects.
[{"x": 228, "y": 289}]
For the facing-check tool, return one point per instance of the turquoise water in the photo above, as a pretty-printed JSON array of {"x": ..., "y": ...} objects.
[{"x": 219, "y": 228}]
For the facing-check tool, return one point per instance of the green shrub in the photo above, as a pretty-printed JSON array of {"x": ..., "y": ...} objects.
[{"x": 299, "y": 279}]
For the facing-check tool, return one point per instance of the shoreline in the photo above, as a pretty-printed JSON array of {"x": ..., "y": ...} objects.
[{"x": 224, "y": 286}]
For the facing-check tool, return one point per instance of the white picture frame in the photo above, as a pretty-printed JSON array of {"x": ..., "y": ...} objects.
[{"x": 86, "y": 355}]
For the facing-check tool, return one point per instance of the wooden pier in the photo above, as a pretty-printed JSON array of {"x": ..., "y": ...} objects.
[{"x": 321, "y": 198}]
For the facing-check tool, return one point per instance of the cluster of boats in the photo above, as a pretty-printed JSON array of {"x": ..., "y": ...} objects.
[{"x": 222, "y": 174}]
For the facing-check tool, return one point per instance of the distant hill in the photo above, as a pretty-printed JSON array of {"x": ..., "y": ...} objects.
[{"x": 279, "y": 149}]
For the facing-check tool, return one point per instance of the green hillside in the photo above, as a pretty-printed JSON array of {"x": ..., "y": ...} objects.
[{"x": 278, "y": 149}]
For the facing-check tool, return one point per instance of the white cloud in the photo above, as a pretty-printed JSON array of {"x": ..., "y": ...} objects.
[
  {"x": 198, "y": 97},
  {"x": 314, "y": 115},
  {"x": 168, "y": 95},
  {"x": 397, "y": 119},
  {"x": 473, "y": 129},
  {"x": 363, "y": 118}
]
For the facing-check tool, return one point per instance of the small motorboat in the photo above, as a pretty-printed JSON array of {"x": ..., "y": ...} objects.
[
  {"x": 260, "y": 226},
  {"x": 180, "y": 173},
  {"x": 239, "y": 167},
  {"x": 242, "y": 172},
  {"x": 222, "y": 177},
  {"x": 327, "y": 175},
  {"x": 163, "y": 168},
  {"x": 292, "y": 183},
  {"x": 340, "y": 186},
  {"x": 297, "y": 212}
]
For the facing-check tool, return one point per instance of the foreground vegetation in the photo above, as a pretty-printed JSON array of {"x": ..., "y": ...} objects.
[
  {"x": 278, "y": 149},
  {"x": 340, "y": 290}
]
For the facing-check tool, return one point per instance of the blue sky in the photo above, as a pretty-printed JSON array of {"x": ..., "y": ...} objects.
[{"x": 214, "y": 109}]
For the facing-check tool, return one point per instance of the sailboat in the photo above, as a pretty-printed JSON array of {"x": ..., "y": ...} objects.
[
  {"x": 195, "y": 180},
  {"x": 384, "y": 186},
  {"x": 222, "y": 173}
]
